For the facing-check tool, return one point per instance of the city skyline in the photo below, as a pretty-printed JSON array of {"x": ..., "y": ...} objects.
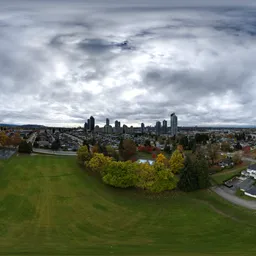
[
  {"x": 117, "y": 124},
  {"x": 59, "y": 63}
]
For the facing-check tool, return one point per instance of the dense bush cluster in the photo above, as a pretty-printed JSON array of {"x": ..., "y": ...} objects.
[
  {"x": 13, "y": 140},
  {"x": 123, "y": 174}
]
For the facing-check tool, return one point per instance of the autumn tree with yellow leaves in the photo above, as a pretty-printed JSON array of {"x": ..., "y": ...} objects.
[
  {"x": 83, "y": 154},
  {"x": 176, "y": 161},
  {"x": 98, "y": 162},
  {"x": 160, "y": 158},
  {"x": 3, "y": 139}
]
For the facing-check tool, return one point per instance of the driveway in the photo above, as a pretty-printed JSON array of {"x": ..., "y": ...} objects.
[{"x": 221, "y": 191}]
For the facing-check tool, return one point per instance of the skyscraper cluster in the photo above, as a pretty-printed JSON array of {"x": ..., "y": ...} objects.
[
  {"x": 117, "y": 129},
  {"x": 90, "y": 124},
  {"x": 164, "y": 129}
]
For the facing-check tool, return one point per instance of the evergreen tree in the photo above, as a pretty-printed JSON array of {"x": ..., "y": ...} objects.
[
  {"x": 184, "y": 142},
  {"x": 86, "y": 143},
  {"x": 147, "y": 143},
  {"x": 102, "y": 149},
  {"x": 55, "y": 145},
  {"x": 202, "y": 170},
  {"x": 194, "y": 147},
  {"x": 188, "y": 177},
  {"x": 93, "y": 141},
  {"x": 174, "y": 146},
  {"x": 121, "y": 146},
  {"x": 167, "y": 148},
  {"x": 25, "y": 147}
]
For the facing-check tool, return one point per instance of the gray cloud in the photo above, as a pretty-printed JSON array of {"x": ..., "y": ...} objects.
[{"x": 136, "y": 62}]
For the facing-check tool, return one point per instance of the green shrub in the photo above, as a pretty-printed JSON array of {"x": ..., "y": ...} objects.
[
  {"x": 83, "y": 154},
  {"x": 120, "y": 174}
]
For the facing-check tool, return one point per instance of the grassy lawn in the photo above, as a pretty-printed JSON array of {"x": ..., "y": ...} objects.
[
  {"x": 49, "y": 206},
  {"x": 145, "y": 155},
  {"x": 227, "y": 174}
]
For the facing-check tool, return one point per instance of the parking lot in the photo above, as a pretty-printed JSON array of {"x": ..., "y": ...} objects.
[{"x": 242, "y": 183}]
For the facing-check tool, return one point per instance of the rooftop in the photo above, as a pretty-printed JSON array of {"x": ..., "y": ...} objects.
[
  {"x": 252, "y": 190},
  {"x": 252, "y": 167},
  {"x": 143, "y": 161}
]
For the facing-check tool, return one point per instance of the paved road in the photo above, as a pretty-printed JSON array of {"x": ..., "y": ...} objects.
[
  {"x": 248, "y": 159},
  {"x": 244, "y": 158},
  {"x": 51, "y": 152},
  {"x": 250, "y": 204},
  {"x": 32, "y": 138},
  {"x": 80, "y": 142}
]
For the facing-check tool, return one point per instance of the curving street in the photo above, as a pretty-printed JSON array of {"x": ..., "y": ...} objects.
[{"x": 221, "y": 191}]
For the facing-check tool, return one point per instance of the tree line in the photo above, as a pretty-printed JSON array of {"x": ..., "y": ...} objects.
[{"x": 164, "y": 174}]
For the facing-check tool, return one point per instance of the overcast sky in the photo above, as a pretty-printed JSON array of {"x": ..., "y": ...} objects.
[{"x": 63, "y": 61}]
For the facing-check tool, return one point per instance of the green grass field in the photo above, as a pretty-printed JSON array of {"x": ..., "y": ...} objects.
[{"x": 49, "y": 206}]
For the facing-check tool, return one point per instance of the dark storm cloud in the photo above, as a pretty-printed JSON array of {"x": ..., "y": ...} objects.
[
  {"x": 61, "y": 62},
  {"x": 99, "y": 46}
]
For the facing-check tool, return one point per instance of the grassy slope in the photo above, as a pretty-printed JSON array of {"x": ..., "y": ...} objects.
[
  {"x": 49, "y": 206},
  {"x": 227, "y": 174}
]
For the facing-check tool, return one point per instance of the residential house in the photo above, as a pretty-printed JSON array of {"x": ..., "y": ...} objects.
[
  {"x": 228, "y": 162},
  {"x": 251, "y": 192},
  {"x": 251, "y": 171},
  {"x": 144, "y": 161}
]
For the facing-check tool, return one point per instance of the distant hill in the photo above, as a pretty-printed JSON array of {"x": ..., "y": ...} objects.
[
  {"x": 29, "y": 126},
  {"x": 8, "y": 125},
  {"x": 32, "y": 126}
]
